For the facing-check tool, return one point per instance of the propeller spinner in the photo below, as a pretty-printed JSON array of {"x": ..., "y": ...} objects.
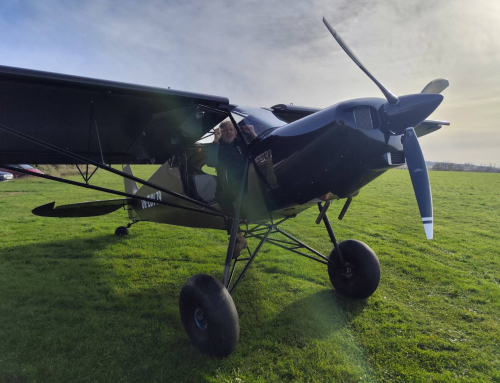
[{"x": 402, "y": 114}]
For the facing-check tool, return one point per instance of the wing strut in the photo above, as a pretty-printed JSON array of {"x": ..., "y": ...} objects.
[
  {"x": 110, "y": 169},
  {"x": 93, "y": 120},
  {"x": 105, "y": 190}
]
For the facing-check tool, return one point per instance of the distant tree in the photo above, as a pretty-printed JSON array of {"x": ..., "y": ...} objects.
[
  {"x": 448, "y": 167},
  {"x": 468, "y": 167},
  {"x": 438, "y": 166}
]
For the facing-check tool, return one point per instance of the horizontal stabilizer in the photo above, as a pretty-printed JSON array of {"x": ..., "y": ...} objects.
[{"x": 84, "y": 209}]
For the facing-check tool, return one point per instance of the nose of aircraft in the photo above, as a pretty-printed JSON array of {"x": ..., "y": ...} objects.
[{"x": 410, "y": 111}]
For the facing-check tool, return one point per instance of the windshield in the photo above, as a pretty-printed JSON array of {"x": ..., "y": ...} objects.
[{"x": 261, "y": 119}]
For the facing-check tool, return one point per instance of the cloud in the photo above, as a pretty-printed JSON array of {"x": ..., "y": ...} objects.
[{"x": 264, "y": 53}]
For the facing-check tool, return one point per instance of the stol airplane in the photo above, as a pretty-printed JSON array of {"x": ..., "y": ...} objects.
[{"x": 301, "y": 157}]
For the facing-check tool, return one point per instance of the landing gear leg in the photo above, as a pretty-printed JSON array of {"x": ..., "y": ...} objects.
[
  {"x": 207, "y": 309},
  {"x": 234, "y": 229},
  {"x": 329, "y": 229}
]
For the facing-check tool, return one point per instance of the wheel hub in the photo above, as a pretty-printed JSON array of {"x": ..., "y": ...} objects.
[
  {"x": 347, "y": 270},
  {"x": 199, "y": 318}
]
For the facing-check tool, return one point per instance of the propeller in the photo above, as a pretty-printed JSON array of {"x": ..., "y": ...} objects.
[
  {"x": 400, "y": 115},
  {"x": 393, "y": 100},
  {"x": 436, "y": 86},
  {"x": 419, "y": 178}
]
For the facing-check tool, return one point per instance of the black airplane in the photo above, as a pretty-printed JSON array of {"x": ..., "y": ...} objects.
[{"x": 302, "y": 157}]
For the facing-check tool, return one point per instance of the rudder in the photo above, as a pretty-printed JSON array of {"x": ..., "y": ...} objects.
[
  {"x": 130, "y": 188},
  {"x": 130, "y": 185}
]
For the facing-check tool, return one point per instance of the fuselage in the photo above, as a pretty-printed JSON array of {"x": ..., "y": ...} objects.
[
  {"x": 337, "y": 150},
  {"x": 332, "y": 153}
]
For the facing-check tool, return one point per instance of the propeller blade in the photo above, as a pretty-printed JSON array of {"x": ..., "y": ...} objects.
[
  {"x": 436, "y": 86},
  {"x": 392, "y": 99},
  {"x": 419, "y": 178}
]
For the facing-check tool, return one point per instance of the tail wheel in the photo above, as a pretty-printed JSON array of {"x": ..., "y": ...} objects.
[
  {"x": 359, "y": 274},
  {"x": 209, "y": 315},
  {"x": 122, "y": 230}
]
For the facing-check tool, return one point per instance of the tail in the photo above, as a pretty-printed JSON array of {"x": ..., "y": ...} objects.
[
  {"x": 130, "y": 185},
  {"x": 130, "y": 188}
]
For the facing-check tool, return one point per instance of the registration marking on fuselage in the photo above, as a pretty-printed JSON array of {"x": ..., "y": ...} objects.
[{"x": 155, "y": 195}]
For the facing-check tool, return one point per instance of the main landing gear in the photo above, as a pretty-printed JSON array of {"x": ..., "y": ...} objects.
[
  {"x": 209, "y": 315},
  {"x": 207, "y": 309},
  {"x": 353, "y": 267},
  {"x": 358, "y": 274}
]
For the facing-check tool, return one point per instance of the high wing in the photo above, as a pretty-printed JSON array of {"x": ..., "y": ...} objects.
[
  {"x": 291, "y": 113},
  {"x": 105, "y": 121}
]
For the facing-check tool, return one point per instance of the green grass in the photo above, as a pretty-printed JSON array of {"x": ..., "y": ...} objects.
[{"x": 78, "y": 304}]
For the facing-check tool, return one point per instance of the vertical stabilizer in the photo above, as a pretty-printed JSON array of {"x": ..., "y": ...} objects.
[{"x": 130, "y": 186}]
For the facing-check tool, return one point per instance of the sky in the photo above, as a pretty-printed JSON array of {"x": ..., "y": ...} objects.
[{"x": 263, "y": 53}]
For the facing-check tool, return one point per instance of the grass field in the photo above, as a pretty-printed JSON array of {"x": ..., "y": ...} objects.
[{"x": 78, "y": 304}]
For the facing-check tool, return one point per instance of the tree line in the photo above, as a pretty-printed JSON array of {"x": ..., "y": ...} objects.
[{"x": 467, "y": 167}]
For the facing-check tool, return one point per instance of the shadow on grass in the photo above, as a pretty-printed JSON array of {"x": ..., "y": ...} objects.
[
  {"x": 314, "y": 317},
  {"x": 309, "y": 337},
  {"x": 68, "y": 314}
]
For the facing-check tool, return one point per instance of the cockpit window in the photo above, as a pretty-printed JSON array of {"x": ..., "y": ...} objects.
[{"x": 261, "y": 119}]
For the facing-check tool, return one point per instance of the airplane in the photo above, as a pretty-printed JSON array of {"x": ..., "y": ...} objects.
[{"x": 302, "y": 157}]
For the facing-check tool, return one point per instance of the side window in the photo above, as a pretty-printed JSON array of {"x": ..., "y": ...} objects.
[{"x": 198, "y": 179}]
